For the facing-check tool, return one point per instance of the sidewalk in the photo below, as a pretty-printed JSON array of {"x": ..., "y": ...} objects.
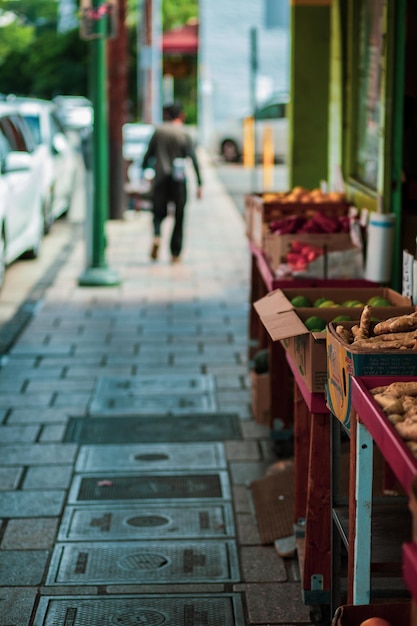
[{"x": 127, "y": 443}]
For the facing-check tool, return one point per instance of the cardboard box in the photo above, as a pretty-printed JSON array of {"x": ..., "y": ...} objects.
[
  {"x": 345, "y": 361},
  {"x": 261, "y": 209},
  {"x": 307, "y": 349},
  {"x": 276, "y": 246},
  {"x": 396, "y": 613},
  {"x": 261, "y": 398}
]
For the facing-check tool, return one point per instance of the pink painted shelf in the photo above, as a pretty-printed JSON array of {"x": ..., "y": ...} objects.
[{"x": 392, "y": 447}]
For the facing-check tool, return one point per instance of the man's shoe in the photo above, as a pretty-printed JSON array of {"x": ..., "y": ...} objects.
[
  {"x": 155, "y": 249},
  {"x": 175, "y": 259}
]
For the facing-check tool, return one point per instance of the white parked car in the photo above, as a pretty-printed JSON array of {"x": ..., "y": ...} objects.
[
  {"x": 136, "y": 137},
  {"x": 229, "y": 135},
  {"x": 60, "y": 166},
  {"x": 21, "y": 165},
  {"x": 75, "y": 112}
]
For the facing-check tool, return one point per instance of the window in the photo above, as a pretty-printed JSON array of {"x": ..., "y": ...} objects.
[
  {"x": 271, "y": 112},
  {"x": 369, "y": 112}
]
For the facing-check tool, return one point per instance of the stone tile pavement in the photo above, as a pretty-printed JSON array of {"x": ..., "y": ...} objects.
[{"x": 169, "y": 323}]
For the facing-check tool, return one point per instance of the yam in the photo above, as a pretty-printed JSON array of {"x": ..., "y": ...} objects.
[
  {"x": 389, "y": 404},
  {"x": 344, "y": 334},
  {"x": 396, "y": 324}
]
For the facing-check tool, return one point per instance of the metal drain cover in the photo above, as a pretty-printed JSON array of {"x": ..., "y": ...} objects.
[
  {"x": 148, "y": 457},
  {"x": 155, "y": 384},
  {"x": 131, "y": 610},
  {"x": 139, "y": 562},
  {"x": 153, "y": 429},
  {"x": 99, "y": 523},
  {"x": 162, "y": 404},
  {"x": 172, "y": 486}
]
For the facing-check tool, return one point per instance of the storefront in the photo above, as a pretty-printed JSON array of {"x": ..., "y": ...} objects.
[{"x": 354, "y": 103}]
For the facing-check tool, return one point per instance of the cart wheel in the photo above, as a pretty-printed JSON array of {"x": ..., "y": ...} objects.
[{"x": 320, "y": 614}]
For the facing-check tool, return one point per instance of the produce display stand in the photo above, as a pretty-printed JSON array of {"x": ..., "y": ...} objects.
[
  {"x": 263, "y": 282},
  {"x": 312, "y": 491},
  {"x": 372, "y": 528},
  {"x": 410, "y": 555}
]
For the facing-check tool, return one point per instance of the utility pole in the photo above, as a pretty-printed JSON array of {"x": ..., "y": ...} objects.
[
  {"x": 151, "y": 62},
  {"x": 117, "y": 62}
]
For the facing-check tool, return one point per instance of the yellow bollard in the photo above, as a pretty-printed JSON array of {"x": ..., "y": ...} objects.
[
  {"x": 248, "y": 142},
  {"x": 268, "y": 158}
]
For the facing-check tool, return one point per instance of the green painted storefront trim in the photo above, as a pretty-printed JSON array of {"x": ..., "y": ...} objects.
[
  {"x": 309, "y": 102},
  {"x": 397, "y": 89}
]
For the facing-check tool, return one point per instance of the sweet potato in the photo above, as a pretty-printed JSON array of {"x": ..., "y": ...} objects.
[{"x": 397, "y": 324}]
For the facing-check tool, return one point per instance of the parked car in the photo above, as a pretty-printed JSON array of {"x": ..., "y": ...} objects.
[
  {"x": 21, "y": 165},
  {"x": 75, "y": 112},
  {"x": 136, "y": 137},
  {"x": 60, "y": 166},
  {"x": 272, "y": 114}
]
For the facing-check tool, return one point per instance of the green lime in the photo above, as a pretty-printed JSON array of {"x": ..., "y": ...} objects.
[
  {"x": 315, "y": 324},
  {"x": 301, "y": 301},
  {"x": 379, "y": 301},
  {"x": 342, "y": 318},
  {"x": 327, "y": 304},
  {"x": 352, "y": 303},
  {"x": 318, "y": 302}
]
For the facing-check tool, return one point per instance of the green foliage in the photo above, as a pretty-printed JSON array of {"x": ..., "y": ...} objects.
[
  {"x": 49, "y": 66},
  {"x": 36, "y": 60},
  {"x": 178, "y": 12}
]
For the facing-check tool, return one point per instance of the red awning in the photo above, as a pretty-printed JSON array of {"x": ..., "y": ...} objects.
[{"x": 182, "y": 40}]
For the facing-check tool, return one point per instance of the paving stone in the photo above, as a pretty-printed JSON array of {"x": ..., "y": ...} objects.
[
  {"x": 30, "y": 534},
  {"x": 81, "y": 371},
  {"x": 10, "y": 383},
  {"x": 242, "y": 499},
  {"x": 22, "y": 568},
  {"x": 9, "y": 477},
  {"x": 40, "y": 349},
  {"x": 18, "y": 434},
  {"x": 38, "y": 416},
  {"x": 16, "y": 605},
  {"x": 252, "y": 430},
  {"x": 247, "y": 530},
  {"x": 26, "y": 400},
  {"x": 228, "y": 382},
  {"x": 38, "y": 454},
  {"x": 242, "y": 450},
  {"x": 72, "y": 400},
  {"x": 31, "y": 503},
  {"x": 244, "y": 472},
  {"x": 62, "y": 385},
  {"x": 275, "y": 603},
  {"x": 48, "y": 477},
  {"x": 262, "y": 564},
  {"x": 244, "y": 411},
  {"x": 53, "y": 433}
]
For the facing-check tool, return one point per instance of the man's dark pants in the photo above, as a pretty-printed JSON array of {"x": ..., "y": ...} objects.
[{"x": 166, "y": 191}]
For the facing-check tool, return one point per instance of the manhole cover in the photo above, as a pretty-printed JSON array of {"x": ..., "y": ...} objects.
[
  {"x": 162, "y": 404},
  {"x": 153, "y": 429},
  {"x": 99, "y": 523},
  {"x": 143, "y": 562},
  {"x": 167, "y": 610},
  {"x": 148, "y": 457},
  {"x": 155, "y": 384},
  {"x": 172, "y": 486}
]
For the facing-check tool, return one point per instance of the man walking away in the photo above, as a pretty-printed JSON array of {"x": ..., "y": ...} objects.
[{"x": 168, "y": 150}]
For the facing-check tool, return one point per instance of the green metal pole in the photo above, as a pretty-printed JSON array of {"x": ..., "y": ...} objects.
[{"x": 99, "y": 274}]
